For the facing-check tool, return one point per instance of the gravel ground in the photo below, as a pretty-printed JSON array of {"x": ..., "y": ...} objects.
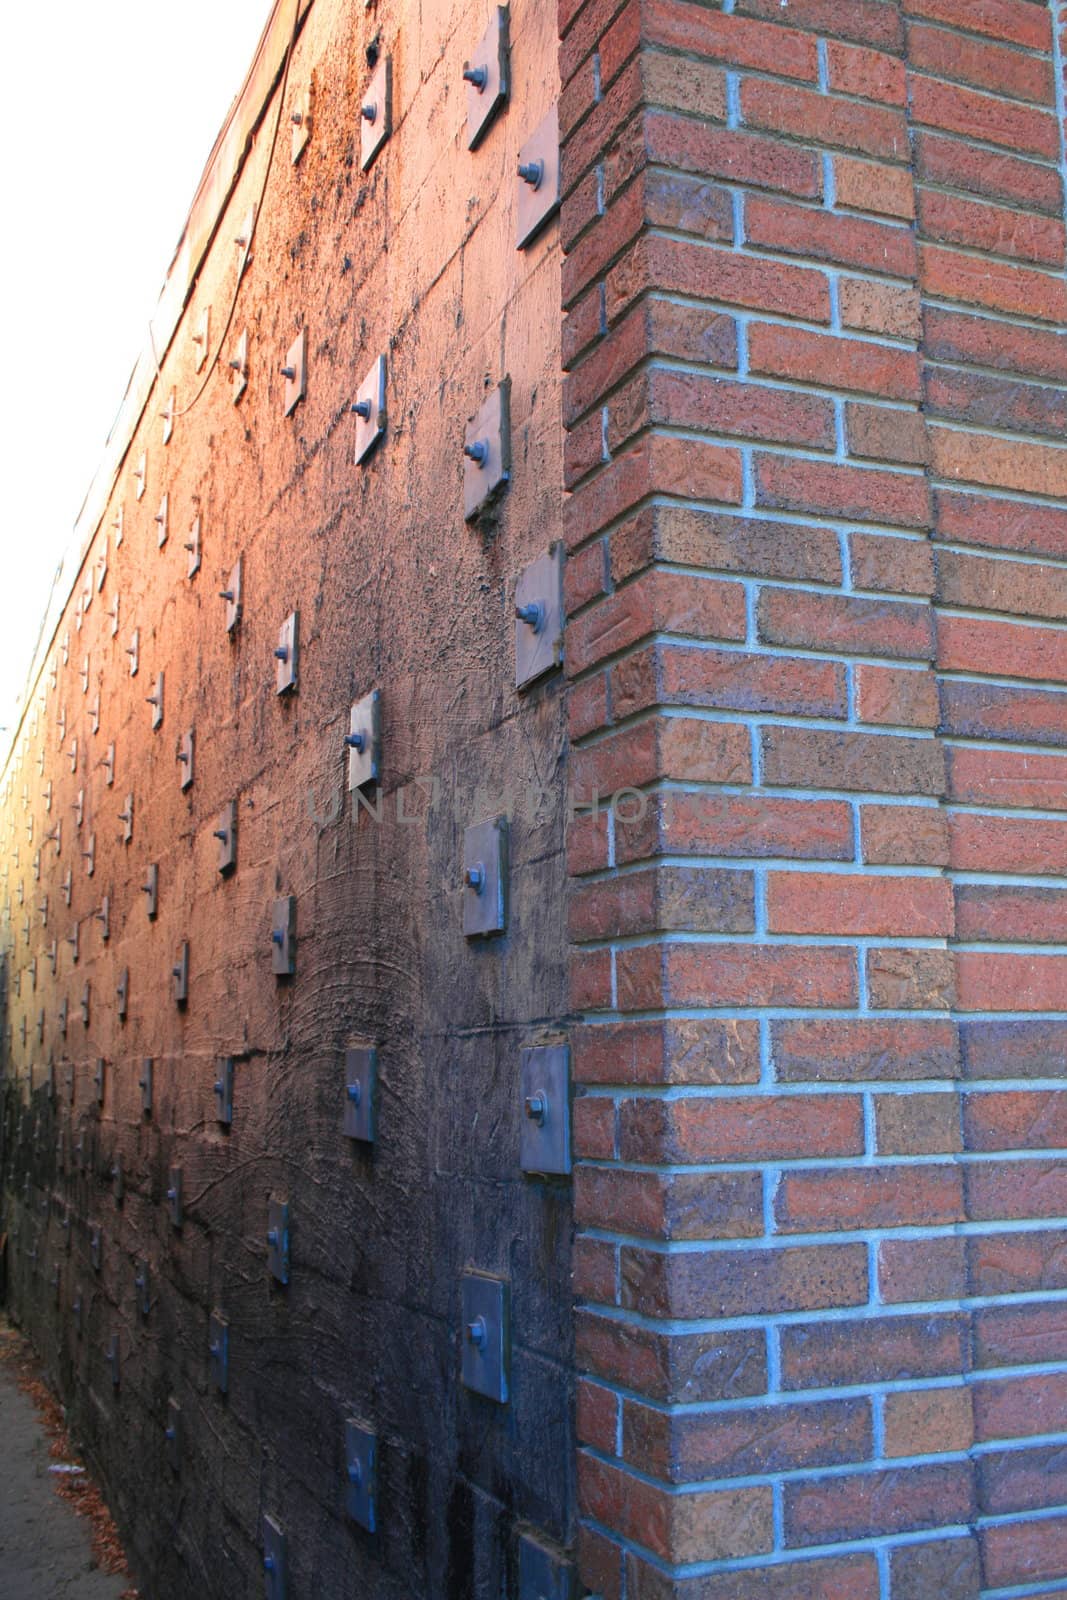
[{"x": 44, "y": 1544}]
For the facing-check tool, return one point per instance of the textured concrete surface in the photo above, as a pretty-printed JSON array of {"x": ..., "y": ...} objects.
[{"x": 44, "y": 1544}]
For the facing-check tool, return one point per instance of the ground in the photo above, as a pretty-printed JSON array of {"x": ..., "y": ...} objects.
[{"x": 56, "y": 1538}]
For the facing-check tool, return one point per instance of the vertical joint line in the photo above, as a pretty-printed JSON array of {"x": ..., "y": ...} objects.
[{"x": 1059, "y": 27}]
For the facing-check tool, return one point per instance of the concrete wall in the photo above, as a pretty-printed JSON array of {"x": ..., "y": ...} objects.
[{"x": 416, "y": 260}]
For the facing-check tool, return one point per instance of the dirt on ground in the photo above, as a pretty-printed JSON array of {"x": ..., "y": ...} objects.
[{"x": 57, "y": 1537}]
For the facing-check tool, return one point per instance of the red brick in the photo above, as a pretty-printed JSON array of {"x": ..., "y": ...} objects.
[
  {"x": 987, "y": 711},
  {"x": 917, "y": 1124},
  {"x": 1022, "y": 1480},
  {"x": 744, "y": 1282},
  {"x": 997, "y": 230},
  {"x": 965, "y": 644},
  {"x": 597, "y": 1412},
  {"x": 1007, "y": 844},
  {"x": 581, "y": 25},
  {"x": 808, "y": 115},
  {"x": 846, "y": 625},
  {"x": 987, "y": 982},
  {"x": 691, "y": 899},
  {"x": 594, "y": 1270},
  {"x": 577, "y": 98},
  {"x": 656, "y": 464},
  {"x": 981, "y": 63},
  {"x": 590, "y": 980},
  {"x": 886, "y": 1349},
  {"x": 1025, "y": 1552},
  {"x": 747, "y": 1442},
  {"x": 1003, "y": 914},
  {"x": 711, "y": 1525},
  {"x": 847, "y": 1577},
  {"x": 921, "y": 1270},
  {"x": 866, "y": 21},
  {"x": 879, "y": 763},
  {"x": 953, "y": 109},
  {"x": 904, "y": 836},
  {"x": 676, "y": 1368},
  {"x": 600, "y": 1563},
  {"x": 1015, "y": 1120},
  {"x": 739, "y": 825},
  {"x": 996, "y": 402},
  {"x": 680, "y": 83},
  {"x": 1016, "y": 1190},
  {"x": 861, "y": 904},
  {"x": 1018, "y": 1407},
  {"x": 853, "y": 1049},
  {"x": 594, "y": 1128},
  {"x": 873, "y": 1504},
  {"x": 806, "y": 357},
  {"x": 1001, "y": 523},
  {"x": 893, "y": 563},
  {"x": 715, "y": 540},
  {"x": 585, "y": 576},
  {"x": 674, "y": 747},
  {"x": 626, "y": 34},
  {"x": 865, "y": 74},
  {"x": 747, "y": 1128},
  {"x": 588, "y": 705},
  {"x": 911, "y": 980},
  {"x": 829, "y": 236},
  {"x": 1019, "y": 589},
  {"x": 655, "y": 327},
  {"x": 1021, "y": 1048},
  {"x": 706, "y": 1050},
  {"x": 736, "y": 975},
  {"x": 891, "y": 697},
  {"x": 947, "y": 1568},
  {"x": 927, "y": 1422},
  {"x": 655, "y": 602},
  {"x": 682, "y": 266},
  {"x": 886, "y": 433},
  {"x": 1020, "y": 1336},
  {"x": 1018, "y": 1263},
  {"x": 657, "y": 1205},
  {"x": 865, "y": 494},
  {"x": 995, "y": 174},
  {"x": 709, "y": 404},
  {"x": 588, "y": 844},
  {"x": 1015, "y": 21},
  {"x": 831, "y": 1201},
  {"x": 978, "y": 458},
  {"x": 583, "y": 450},
  {"x": 889, "y": 308},
  {"x": 738, "y": 156},
  {"x": 738, "y": 40},
  {"x": 874, "y": 186},
  {"x": 583, "y": 324},
  {"x": 998, "y": 285},
  {"x": 1008, "y": 778},
  {"x": 589, "y": 257},
  {"x": 619, "y": 109},
  {"x": 964, "y": 338},
  {"x": 729, "y": 680}
]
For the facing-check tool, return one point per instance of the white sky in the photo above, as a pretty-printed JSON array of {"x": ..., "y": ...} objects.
[{"x": 110, "y": 113}]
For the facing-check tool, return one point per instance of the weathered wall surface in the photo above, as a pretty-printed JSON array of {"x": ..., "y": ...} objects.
[
  {"x": 414, "y": 259},
  {"x": 818, "y": 549}
]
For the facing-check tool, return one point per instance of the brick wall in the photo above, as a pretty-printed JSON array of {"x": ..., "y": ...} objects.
[
  {"x": 816, "y": 519},
  {"x": 817, "y": 527},
  {"x": 415, "y": 259}
]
